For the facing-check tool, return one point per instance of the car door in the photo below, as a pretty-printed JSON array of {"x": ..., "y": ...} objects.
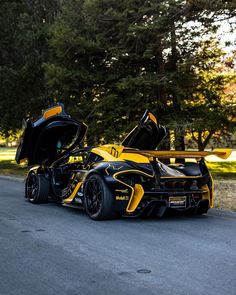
[
  {"x": 146, "y": 135},
  {"x": 50, "y": 137}
]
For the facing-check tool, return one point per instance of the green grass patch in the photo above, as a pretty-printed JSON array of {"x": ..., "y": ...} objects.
[
  {"x": 225, "y": 170},
  {"x": 7, "y": 154},
  {"x": 8, "y": 167}
]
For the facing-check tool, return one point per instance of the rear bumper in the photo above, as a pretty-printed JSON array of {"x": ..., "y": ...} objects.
[
  {"x": 163, "y": 193},
  {"x": 157, "y": 203},
  {"x": 159, "y": 208}
]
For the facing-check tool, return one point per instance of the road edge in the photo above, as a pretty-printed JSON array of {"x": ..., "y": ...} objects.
[
  {"x": 220, "y": 212},
  {"x": 12, "y": 178}
]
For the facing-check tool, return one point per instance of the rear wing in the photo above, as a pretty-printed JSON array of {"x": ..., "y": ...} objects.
[{"x": 221, "y": 153}]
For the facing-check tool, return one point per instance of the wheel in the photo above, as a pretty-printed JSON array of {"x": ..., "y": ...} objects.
[
  {"x": 98, "y": 199},
  {"x": 203, "y": 207},
  {"x": 36, "y": 188}
]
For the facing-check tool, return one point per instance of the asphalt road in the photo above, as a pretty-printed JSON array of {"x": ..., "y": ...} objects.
[{"x": 50, "y": 249}]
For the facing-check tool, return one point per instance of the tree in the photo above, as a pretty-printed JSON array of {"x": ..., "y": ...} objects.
[
  {"x": 213, "y": 107},
  {"x": 109, "y": 60},
  {"x": 118, "y": 58},
  {"x": 23, "y": 49}
]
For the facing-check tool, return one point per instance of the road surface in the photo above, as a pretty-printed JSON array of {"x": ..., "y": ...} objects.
[{"x": 49, "y": 249}]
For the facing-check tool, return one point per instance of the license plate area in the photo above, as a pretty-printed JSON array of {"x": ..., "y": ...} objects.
[{"x": 177, "y": 202}]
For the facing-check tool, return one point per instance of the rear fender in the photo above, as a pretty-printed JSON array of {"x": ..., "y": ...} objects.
[{"x": 126, "y": 196}]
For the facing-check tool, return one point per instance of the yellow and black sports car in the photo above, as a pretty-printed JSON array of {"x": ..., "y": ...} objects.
[{"x": 112, "y": 180}]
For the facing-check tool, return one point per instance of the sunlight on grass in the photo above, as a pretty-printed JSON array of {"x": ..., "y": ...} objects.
[
  {"x": 8, "y": 165},
  {"x": 223, "y": 169},
  {"x": 7, "y": 154},
  {"x": 12, "y": 168}
]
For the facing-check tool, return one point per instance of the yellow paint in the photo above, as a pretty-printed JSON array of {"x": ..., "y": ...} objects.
[
  {"x": 135, "y": 199},
  {"x": 184, "y": 176},
  {"x": 209, "y": 194},
  {"x": 221, "y": 153},
  {"x": 122, "y": 190},
  {"x": 23, "y": 161},
  {"x": 112, "y": 167},
  {"x": 137, "y": 191},
  {"x": 206, "y": 195},
  {"x": 152, "y": 117},
  {"x": 72, "y": 196},
  {"x": 112, "y": 152},
  {"x": 131, "y": 171},
  {"x": 134, "y": 157},
  {"x": 122, "y": 198},
  {"x": 105, "y": 154},
  {"x": 127, "y": 185},
  {"x": 113, "y": 149},
  {"x": 212, "y": 192},
  {"x": 52, "y": 112},
  {"x": 75, "y": 159}
]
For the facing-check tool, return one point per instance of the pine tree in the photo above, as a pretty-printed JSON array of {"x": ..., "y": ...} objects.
[{"x": 23, "y": 50}]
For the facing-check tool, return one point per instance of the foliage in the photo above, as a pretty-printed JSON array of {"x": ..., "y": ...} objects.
[
  {"x": 24, "y": 30},
  {"x": 212, "y": 106},
  {"x": 110, "y": 60},
  {"x": 118, "y": 58}
]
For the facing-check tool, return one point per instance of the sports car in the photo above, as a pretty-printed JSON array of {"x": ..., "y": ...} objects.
[{"x": 109, "y": 181}]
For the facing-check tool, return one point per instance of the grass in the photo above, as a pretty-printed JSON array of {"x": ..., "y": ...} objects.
[
  {"x": 223, "y": 170},
  {"x": 7, "y": 154},
  {"x": 219, "y": 170},
  {"x": 10, "y": 167}
]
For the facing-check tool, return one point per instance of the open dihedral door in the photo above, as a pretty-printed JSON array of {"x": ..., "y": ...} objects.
[
  {"x": 146, "y": 135},
  {"x": 50, "y": 137}
]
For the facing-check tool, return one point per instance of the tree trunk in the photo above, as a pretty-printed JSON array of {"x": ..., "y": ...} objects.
[
  {"x": 159, "y": 91},
  {"x": 202, "y": 144},
  {"x": 165, "y": 146},
  {"x": 179, "y": 131},
  {"x": 179, "y": 139}
]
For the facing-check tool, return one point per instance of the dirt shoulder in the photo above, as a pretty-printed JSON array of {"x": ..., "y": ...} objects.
[{"x": 225, "y": 194}]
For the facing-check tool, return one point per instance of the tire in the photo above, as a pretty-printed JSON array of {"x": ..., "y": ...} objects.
[
  {"x": 98, "y": 199},
  {"x": 36, "y": 188},
  {"x": 203, "y": 207}
]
